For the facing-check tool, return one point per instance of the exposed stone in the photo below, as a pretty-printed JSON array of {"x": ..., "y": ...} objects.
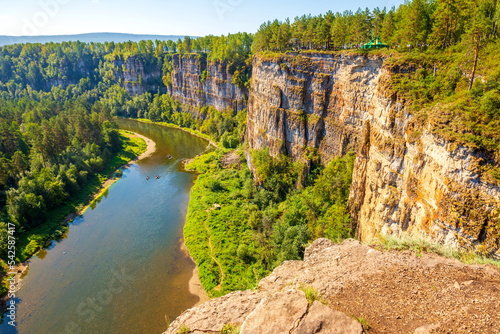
[
  {"x": 215, "y": 90},
  {"x": 277, "y": 313},
  {"x": 321, "y": 319},
  {"x": 393, "y": 292},
  {"x": 212, "y": 315},
  {"x": 140, "y": 74},
  {"x": 405, "y": 179}
]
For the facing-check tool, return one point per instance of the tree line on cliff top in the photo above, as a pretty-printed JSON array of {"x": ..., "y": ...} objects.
[{"x": 415, "y": 24}]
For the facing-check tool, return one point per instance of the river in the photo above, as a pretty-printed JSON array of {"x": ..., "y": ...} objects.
[{"x": 120, "y": 268}]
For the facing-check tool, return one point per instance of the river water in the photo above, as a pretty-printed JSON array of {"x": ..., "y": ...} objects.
[{"x": 120, "y": 268}]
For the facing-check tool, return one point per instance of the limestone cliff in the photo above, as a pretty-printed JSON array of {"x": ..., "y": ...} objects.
[
  {"x": 196, "y": 82},
  {"x": 405, "y": 179},
  {"x": 140, "y": 74},
  {"x": 391, "y": 292}
]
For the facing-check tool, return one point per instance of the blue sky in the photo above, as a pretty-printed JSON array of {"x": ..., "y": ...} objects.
[{"x": 167, "y": 17}]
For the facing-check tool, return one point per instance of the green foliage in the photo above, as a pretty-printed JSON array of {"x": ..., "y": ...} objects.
[
  {"x": 237, "y": 230},
  {"x": 203, "y": 76},
  {"x": 233, "y": 48},
  {"x": 415, "y": 24},
  {"x": 36, "y": 242},
  {"x": 53, "y": 155},
  {"x": 276, "y": 174},
  {"x": 421, "y": 245},
  {"x": 312, "y": 294},
  {"x": 230, "y": 329},
  {"x": 438, "y": 91},
  {"x": 364, "y": 323},
  {"x": 183, "y": 329}
]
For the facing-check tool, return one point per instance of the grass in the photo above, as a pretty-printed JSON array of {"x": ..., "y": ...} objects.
[
  {"x": 364, "y": 323},
  {"x": 183, "y": 330},
  {"x": 216, "y": 227},
  {"x": 312, "y": 294},
  {"x": 421, "y": 245},
  {"x": 230, "y": 329}
]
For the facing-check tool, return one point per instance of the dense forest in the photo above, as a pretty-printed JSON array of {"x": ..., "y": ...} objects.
[
  {"x": 415, "y": 24},
  {"x": 48, "y": 153},
  {"x": 58, "y": 100}
]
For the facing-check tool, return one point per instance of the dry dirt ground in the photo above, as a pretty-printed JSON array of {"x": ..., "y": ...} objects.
[
  {"x": 443, "y": 297},
  {"x": 393, "y": 292}
]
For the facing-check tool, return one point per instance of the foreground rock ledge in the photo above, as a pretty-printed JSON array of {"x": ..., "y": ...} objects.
[{"x": 391, "y": 292}]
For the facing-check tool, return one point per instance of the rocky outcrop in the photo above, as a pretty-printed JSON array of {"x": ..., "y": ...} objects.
[
  {"x": 406, "y": 179},
  {"x": 196, "y": 82},
  {"x": 393, "y": 292},
  {"x": 276, "y": 307},
  {"x": 317, "y": 100},
  {"x": 140, "y": 74}
]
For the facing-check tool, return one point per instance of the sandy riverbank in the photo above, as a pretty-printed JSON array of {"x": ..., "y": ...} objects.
[
  {"x": 150, "y": 149},
  {"x": 195, "y": 287},
  {"x": 190, "y": 131}
]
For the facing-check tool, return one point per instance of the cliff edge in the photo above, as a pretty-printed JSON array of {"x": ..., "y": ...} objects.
[
  {"x": 406, "y": 178},
  {"x": 352, "y": 288}
]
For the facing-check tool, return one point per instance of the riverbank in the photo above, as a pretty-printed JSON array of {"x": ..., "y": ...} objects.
[
  {"x": 20, "y": 269},
  {"x": 190, "y": 131},
  {"x": 195, "y": 286},
  {"x": 150, "y": 149}
]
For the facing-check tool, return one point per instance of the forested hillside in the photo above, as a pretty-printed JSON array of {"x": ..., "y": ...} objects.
[{"x": 57, "y": 102}]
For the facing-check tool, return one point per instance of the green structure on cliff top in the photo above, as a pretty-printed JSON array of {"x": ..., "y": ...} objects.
[{"x": 374, "y": 44}]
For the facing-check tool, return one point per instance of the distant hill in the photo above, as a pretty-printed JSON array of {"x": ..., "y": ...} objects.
[{"x": 87, "y": 38}]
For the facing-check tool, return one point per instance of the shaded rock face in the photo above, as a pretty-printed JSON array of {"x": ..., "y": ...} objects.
[
  {"x": 405, "y": 179},
  {"x": 394, "y": 292},
  {"x": 216, "y": 89},
  {"x": 140, "y": 74},
  {"x": 74, "y": 72}
]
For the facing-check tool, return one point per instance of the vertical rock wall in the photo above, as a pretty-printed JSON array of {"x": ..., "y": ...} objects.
[
  {"x": 215, "y": 89},
  {"x": 405, "y": 179},
  {"x": 140, "y": 74}
]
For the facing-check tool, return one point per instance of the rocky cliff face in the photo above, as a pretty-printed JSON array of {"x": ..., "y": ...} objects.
[
  {"x": 140, "y": 74},
  {"x": 392, "y": 292},
  {"x": 198, "y": 83},
  {"x": 404, "y": 180}
]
